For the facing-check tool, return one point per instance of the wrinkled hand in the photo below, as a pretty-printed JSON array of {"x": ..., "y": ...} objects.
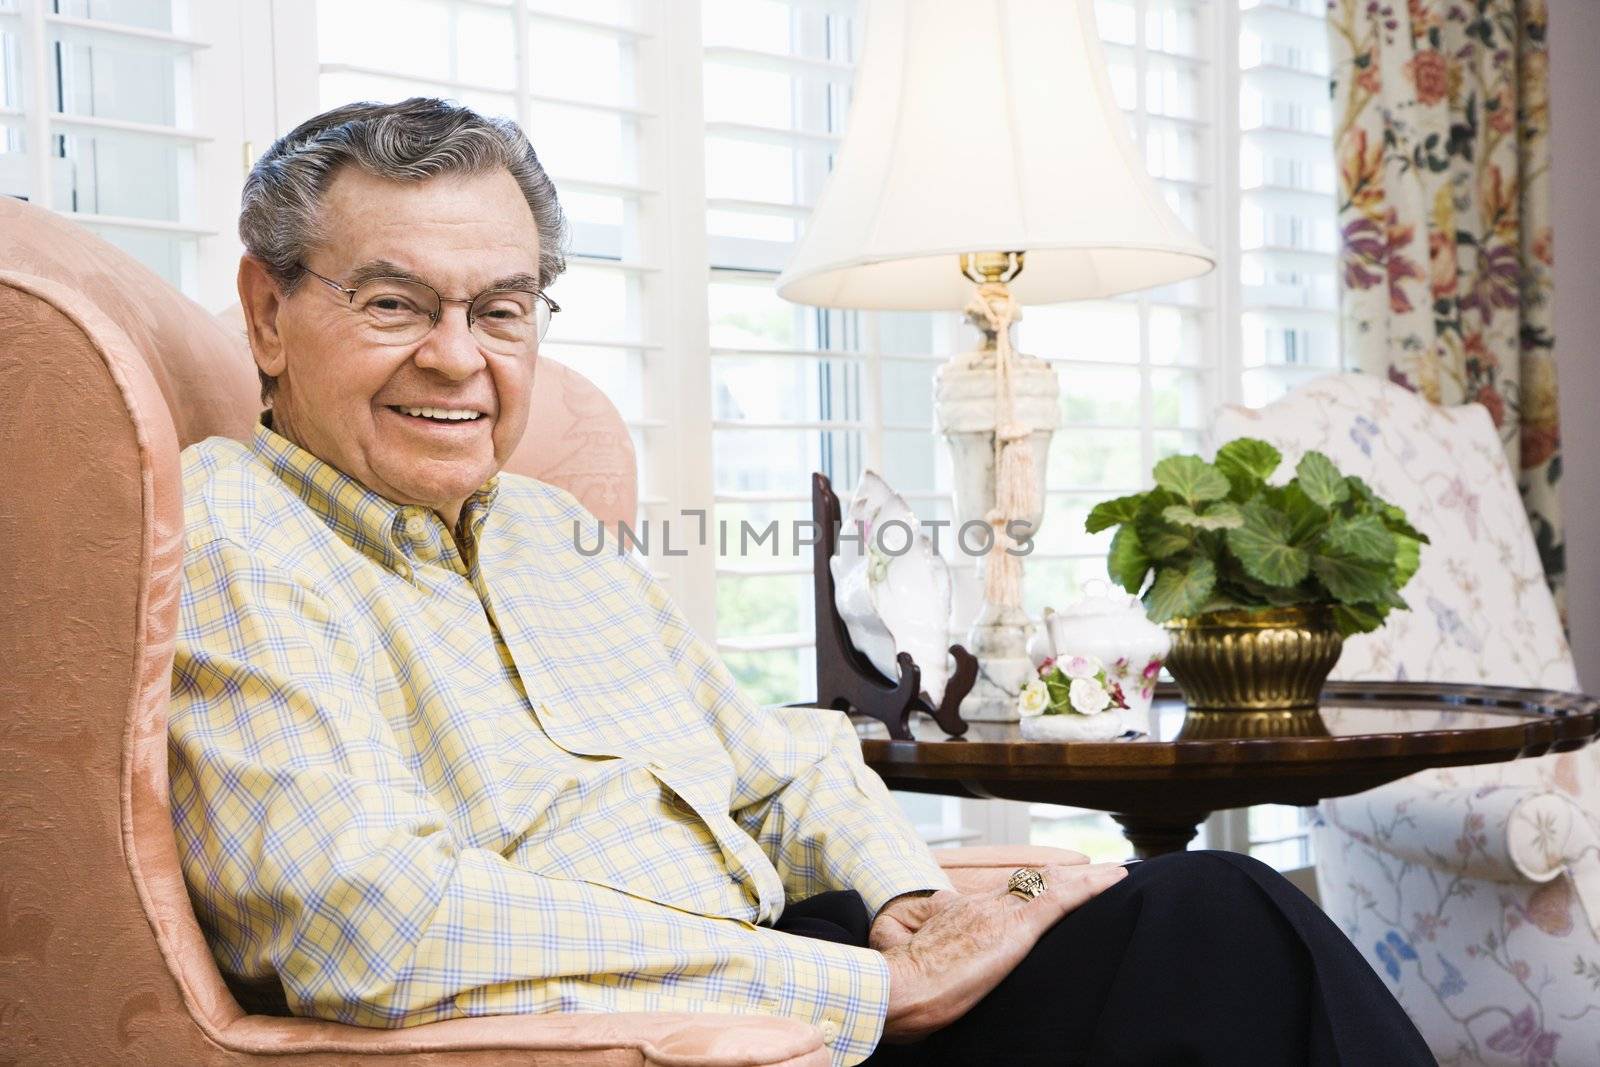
[
  {"x": 904, "y": 916},
  {"x": 994, "y": 879},
  {"x": 958, "y": 946}
]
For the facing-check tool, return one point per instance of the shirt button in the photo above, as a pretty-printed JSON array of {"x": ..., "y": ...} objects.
[
  {"x": 417, "y": 526},
  {"x": 830, "y": 1031}
]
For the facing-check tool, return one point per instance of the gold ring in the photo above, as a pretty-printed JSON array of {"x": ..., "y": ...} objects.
[{"x": 1026, "y": 882}]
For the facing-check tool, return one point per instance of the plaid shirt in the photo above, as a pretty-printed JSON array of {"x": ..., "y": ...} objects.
[{"x": 414, "y": 779}]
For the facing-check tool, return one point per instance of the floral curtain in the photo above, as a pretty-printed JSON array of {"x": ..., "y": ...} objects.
[{"x": 1441, "y": 111}]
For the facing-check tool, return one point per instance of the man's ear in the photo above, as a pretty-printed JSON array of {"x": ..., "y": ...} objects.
[{"x": 261, "y": 301}]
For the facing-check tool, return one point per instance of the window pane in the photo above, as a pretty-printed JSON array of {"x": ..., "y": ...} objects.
[
  {"x": 581, "y": 64},
  {"x": 145, "y": 14},
  {"x": 109, "y": 82},
  {"x": 784, "y": 389}
]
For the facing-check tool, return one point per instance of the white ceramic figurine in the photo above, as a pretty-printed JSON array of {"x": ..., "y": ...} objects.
[{"x": 895, "y": 597}]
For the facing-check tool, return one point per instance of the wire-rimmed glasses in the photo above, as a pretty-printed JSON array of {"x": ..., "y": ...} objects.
[{"x": 401, "y": 311}]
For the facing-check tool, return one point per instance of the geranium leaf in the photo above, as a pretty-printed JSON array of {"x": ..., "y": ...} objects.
[
  {"x": 1407, "y": 558},
  {"x": 1263, "y": 594},
  {"x": 1193, "y": 479},
  {"x": 1263, "y": 547},
  {"x": 1395, "y": 519},
  {"x": 1127, "y": 562},
  {"x": 1161, "y": 540},
  {"x": 1306, "y": 520},
  {"x": 1357, "y": 618},
  {"x": 1247, "y": 463},
  {"x": 1352, "y": 581},
  {"x": 1180, "y": 590},
  {"x": 1222, "y": 515},
  {"x": 1109, "y": 513},
  {"x": 1321, "y": 480},
  {"x": 1364, "y": 537}
]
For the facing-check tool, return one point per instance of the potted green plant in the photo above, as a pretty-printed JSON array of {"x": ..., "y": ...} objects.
[{"x": 1258, "y": 583}]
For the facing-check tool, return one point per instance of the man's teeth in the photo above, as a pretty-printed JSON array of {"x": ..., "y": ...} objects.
[{"x": 448, "y": 414}]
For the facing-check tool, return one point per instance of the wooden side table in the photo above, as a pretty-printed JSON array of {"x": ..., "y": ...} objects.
[{"x": 1161, "y": 787}]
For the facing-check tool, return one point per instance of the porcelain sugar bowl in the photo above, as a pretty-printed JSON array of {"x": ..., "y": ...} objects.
[{"x": 1111, "y": 627}]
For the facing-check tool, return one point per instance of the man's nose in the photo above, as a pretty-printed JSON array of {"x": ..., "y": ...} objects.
[{"x": 450, "y": 348}]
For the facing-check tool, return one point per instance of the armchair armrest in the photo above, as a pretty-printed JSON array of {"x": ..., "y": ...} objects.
[
  {"x": 1496, "y": 833},
  {"x": 555, "y": 1040},
  {"x": 644, "y": 1040},
  {"x": 977, "y": 867}
]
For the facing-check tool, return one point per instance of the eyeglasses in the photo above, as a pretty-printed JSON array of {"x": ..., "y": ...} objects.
[{"x": 401, "y": 311}]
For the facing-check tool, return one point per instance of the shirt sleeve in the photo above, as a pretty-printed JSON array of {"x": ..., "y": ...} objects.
[
  {"x": 803, "y": 792},
  {"x": 313, "y": 852}
]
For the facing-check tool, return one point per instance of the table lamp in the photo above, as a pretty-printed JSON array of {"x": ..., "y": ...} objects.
[{"x": 986, "y": 164}]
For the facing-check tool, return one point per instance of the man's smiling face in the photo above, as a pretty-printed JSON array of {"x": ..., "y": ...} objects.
[{"x": 422, "y": 423}]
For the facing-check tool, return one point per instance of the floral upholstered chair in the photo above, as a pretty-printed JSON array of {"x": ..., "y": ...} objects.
[{"x": 1475, "y": 891}]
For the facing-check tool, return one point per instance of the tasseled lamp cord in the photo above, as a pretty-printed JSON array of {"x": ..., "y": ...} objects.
[{"x": 1015, "y": 490}]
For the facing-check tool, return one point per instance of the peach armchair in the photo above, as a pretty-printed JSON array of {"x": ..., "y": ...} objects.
[{"x": 105, "y": 372}]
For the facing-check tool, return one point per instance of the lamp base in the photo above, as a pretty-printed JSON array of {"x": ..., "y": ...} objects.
[{"x": 999, "y": 638}]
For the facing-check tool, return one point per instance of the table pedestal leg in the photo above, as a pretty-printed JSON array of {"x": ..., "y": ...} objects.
[{"x": 1156, "y": 835}]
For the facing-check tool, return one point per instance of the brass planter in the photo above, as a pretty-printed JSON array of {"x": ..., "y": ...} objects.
[{"x": 1274, "y": 659}]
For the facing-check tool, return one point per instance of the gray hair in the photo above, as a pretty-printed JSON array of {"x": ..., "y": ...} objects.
[{"x": 416, "y": 139}]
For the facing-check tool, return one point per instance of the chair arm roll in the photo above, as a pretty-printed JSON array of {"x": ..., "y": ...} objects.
[
  {"x": 1494, "y": 833},
  {"x": 555, "y": 1040}
]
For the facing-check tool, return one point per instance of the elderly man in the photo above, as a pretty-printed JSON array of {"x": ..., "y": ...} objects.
[{"x": 428, "y": 760}]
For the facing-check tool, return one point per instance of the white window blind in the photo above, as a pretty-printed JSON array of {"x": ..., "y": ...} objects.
[
  {"x": 103, "y": 117},
  {"x": 1288, "y": 239},
  {"x": 790, "y": 386}
]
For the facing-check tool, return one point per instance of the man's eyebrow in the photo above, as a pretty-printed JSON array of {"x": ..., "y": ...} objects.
[
  {"x": 517, "y": 281},
  {"x": 382, "y": 268}
]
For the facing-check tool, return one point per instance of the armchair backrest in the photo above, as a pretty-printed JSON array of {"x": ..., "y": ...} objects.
[
  {"x": 1480, "y": 608},
  {"x": 105, "y": 372}
]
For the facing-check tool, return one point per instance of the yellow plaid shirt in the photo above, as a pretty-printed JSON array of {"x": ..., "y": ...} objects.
[{"x": 415, "y": 779}]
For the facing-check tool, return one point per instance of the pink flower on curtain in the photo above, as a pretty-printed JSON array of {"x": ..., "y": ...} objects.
[{"x": 1430, "y": 73}]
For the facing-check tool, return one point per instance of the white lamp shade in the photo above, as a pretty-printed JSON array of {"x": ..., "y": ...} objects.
[{"x": 985, "y": 126}]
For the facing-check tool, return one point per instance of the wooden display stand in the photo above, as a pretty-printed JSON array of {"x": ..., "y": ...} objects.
[{"x": 846, "y": 679}]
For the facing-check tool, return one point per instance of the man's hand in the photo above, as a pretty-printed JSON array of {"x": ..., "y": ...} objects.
[
  {"x": 963, "y": 945},
  {"x": 904, "y": 916}
]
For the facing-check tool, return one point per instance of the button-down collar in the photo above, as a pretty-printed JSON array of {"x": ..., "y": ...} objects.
[{"x": 399, "y": 536}]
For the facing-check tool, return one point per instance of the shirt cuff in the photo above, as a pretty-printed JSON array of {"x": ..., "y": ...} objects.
[
  {"x": 840, "y": 989},
  {"x": 879, "y": 883}
]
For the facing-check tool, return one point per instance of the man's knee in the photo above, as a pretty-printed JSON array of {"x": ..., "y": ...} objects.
[
  {"x": 1202, "y": 864},
  {"x": 1209, "y": 885}
]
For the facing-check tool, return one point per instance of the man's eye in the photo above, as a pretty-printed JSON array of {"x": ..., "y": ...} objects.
[{"x": 391, "y": 304}]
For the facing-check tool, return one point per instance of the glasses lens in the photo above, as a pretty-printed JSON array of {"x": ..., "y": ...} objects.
[
  {"x": 396, "y": 311},
  {"x": 510, "y": 319}
]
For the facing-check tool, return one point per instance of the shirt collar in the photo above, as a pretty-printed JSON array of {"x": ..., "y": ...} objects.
[{"x": 396, "y": 535}]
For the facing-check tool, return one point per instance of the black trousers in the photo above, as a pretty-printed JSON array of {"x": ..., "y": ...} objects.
[{"x": 1194, "y": 958}]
